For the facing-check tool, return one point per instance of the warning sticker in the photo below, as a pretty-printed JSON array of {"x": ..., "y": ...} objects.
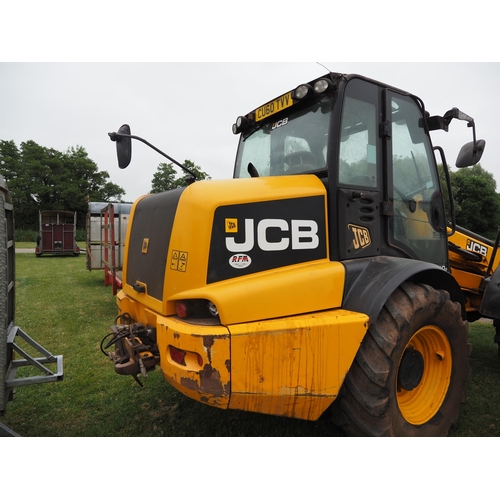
[{"x": 178, "y": 261}]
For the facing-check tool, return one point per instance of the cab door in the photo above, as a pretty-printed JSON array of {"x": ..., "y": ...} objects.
[
  {"x": 359, "y": 180},
  {"x": 417, "y": 226}
]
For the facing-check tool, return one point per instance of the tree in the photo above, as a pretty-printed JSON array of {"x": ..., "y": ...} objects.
[
  {"x": 477, "y": 204},
  {"x": 165, "y": 178},
  {"x": 42, "y": 178}
]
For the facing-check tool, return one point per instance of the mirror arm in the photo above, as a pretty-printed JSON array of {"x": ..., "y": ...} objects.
[
  {"x": 473, "y": 125},
  {"x": 115, "y": 136},
  {"x": 450, "y": 191},
  {"x": 460, "y": 115}
]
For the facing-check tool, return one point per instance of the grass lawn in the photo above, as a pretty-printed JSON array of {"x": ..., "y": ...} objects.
[
  {"x": 68, "y": 310},
  {"x": 25, "y": 244},
  {"x": 32, "y": 244}
]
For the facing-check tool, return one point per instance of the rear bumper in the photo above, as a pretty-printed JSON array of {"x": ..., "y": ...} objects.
[
  {"x": 291, "y": 367},
  {"x": 195, "y": 359}
]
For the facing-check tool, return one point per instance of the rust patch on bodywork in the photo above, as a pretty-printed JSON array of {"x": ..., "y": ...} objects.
[
  {"x": 209, "y": 383},
  {"x": 209, "y": 341},
  {"x": 206, "y": 377}
]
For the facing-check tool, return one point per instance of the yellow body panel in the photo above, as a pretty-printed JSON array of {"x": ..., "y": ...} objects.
[
  {"x": 257, "y": 296},
  {"x": 208, "y": 382},
  {"x": 283, "y": 345},
  {"x": 469, "y": 273},
  {"x": 206, "y": 373},
  {"x": 469, "y": 283},
  {"x": 195, "y": 211},
  {"x": 477, "y": 246},
  {"x": 309, "y": 286},
  {"x": 294, "y": 366}
]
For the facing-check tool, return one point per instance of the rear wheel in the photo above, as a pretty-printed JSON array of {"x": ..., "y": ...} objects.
[
  {"x": 496, "y": 338},
  {"x": 409, "y": 375}
]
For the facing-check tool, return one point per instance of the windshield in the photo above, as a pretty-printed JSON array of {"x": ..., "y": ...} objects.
[{"x": 296, "y": 143}]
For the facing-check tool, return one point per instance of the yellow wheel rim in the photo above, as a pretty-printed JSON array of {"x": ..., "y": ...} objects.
[{"x": 421, "y": 403}]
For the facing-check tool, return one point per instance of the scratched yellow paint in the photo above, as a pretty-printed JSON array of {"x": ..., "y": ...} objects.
[
  {"x": 209, "y": 382},
  {"x": 293, "y": 367},
  {"x": 205, "y": 376}
]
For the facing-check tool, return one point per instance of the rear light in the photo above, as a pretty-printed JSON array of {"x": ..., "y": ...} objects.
[
  {"x": 177, "y": 355},
  {"x": 191, "y": 360},
  {"x": 183, "y": 309},
  {"x": 195, "y": 309}
]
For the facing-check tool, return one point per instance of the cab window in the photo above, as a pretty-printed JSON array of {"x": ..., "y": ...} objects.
[
  {"x": 415, "y": 187},
  {"x": 358, "y": 137},
  {"x": 293, "y": 143}
]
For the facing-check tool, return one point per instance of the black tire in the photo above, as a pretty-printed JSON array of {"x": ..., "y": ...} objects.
[
  {"x": 410, "y": 372},
  {"x": 496, "y": 338}
]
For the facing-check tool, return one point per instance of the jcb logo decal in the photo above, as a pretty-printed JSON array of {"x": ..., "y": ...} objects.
[
  {"x": 299, "y": 234},
  {"x": 476, "y": 247},
  {"x": 257, "y": 236},
  {"x": 361, "y": 236},
  {"x": 231, "y": 225},
  {"x": 279, "y": 123}
]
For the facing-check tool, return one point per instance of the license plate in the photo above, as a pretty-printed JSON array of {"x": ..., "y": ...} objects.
[{"x": 273, "y": 107}]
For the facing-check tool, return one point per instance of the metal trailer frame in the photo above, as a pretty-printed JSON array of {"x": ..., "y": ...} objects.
[
  {"x": 107, "y": 225},
  {"x": 57, "y": 236},
  {"x": 10, "y": 335},
  {"x": 11, "y": 379}
]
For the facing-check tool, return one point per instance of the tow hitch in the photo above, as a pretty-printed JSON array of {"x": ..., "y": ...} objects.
[{"x": 135, "y": 351}]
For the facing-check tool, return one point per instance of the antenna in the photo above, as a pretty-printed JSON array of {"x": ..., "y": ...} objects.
[{"x": 323, "y": 66}]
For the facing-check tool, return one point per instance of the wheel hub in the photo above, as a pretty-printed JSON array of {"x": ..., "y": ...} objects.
[{"x": 411, "y": 369}]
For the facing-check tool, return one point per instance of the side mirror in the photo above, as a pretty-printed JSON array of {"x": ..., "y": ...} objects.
[
  {"x": 123, "y": 140},
  {"x": 470, "y": 153},
  {"x": 123, "y": 145}
]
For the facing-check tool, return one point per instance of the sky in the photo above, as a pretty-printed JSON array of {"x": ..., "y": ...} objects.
[{"x": 186, "y": 109}]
